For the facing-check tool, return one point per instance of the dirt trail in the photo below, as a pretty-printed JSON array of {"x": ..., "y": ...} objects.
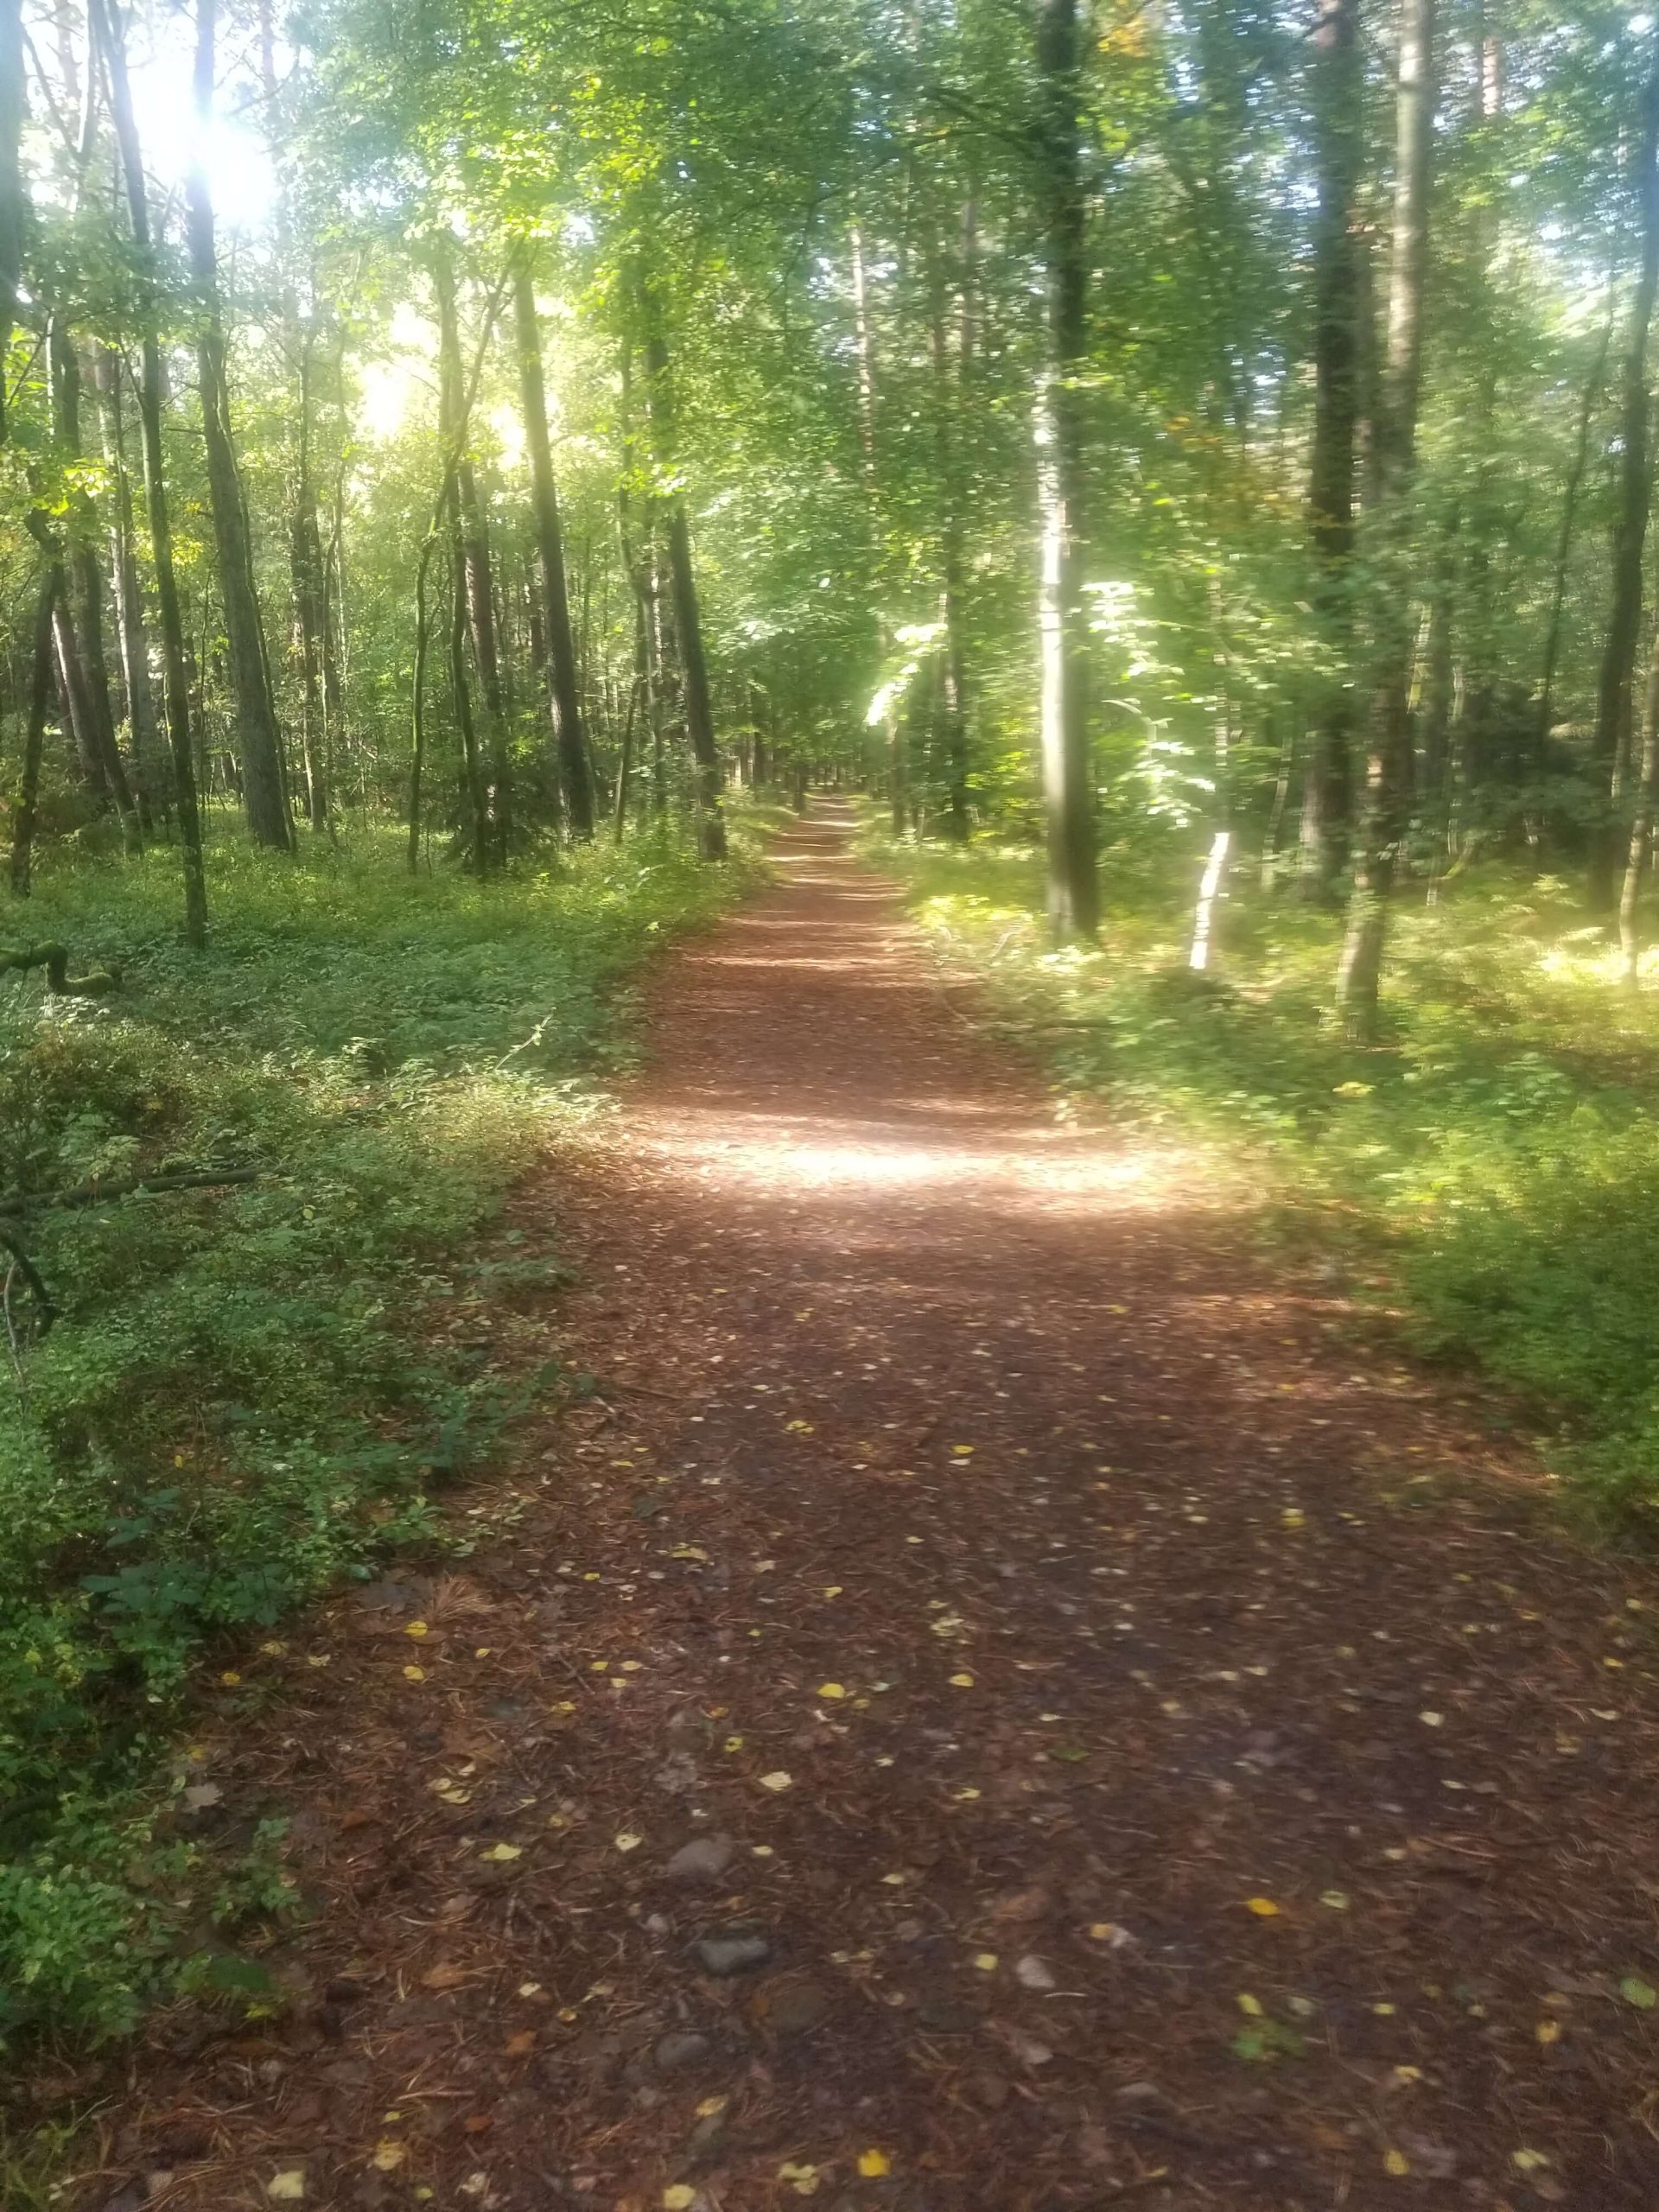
[{"x": 1141, "y": 1753}]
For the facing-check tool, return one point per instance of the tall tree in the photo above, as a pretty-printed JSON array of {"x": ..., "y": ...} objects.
[
  {"x": 1068, "y": 785},
  {"x": 1611, "y": 742},
  {"x": 12, "y": 202},
  {"x": 263, "y": 781},
  {"x": 558, "y": 646},
  {"x": 1388, "y": 767},
  {"x": 106, "y": 35},
  {"x": 698, "y": 701},
  {"x": 1339, "y": 108}
]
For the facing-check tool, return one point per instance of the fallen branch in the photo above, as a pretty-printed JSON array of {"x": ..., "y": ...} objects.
[
  {"x": 93, "y": 1194},
  {"x": 54, "y": 958}
]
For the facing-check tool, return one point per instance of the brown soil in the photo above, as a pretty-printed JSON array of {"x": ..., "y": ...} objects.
[{"x": 1166, "y": 1755}]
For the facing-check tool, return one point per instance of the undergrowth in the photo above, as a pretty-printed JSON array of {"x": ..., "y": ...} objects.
[
  {"x": 1491, "y": 1165},
  {"x": 250, "y": 1390}
]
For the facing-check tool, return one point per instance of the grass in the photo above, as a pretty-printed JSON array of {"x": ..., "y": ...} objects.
[
  {"x": 1491, "y": 1165},
  {"x": 252, "y": 1390}
]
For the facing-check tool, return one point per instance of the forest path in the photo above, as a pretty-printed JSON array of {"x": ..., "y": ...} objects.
[{"x": 1133, "y": 1751}]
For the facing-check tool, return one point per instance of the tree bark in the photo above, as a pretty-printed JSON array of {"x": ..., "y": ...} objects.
[
  {"x": 40, "y": 690},
  {"x": 12, "y": 203},
  {"x": 1338, "y": 102},
  {"x": 1068, "y": 796},
  {"x": 83, "y": 642},
  {"x": 177, "y": 690},
  {"x": 683, "y": 587},
  {"x": 142, "y": 735},
  {"x": 1564, "y": 542},
  {"x": 557, "y": 644},
  {"x": 946, "y": 408},
  {"x": 1610, "y": 745},
  {"x": 453, "y": 409},
  {"x": 263, "y": 783},
  {"x": 1388, "y": 773},
  {"x": 1629, "y": 919}
]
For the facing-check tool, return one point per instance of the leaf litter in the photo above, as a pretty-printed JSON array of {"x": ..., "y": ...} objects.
[{"x": 1208, "y": 1795}]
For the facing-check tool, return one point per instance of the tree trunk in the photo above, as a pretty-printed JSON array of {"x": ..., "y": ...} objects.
[
  {"x": 1388, "y": 773},
  {"x": 1630, "y": 940},
  {"x": 682, "y": 586},
  {"x": 176, "y": 686},
  {"x": 1338, "y": 99},
  {"x": 262, "y": 780},
  {"x": 149, "y": 783},
  {"x": 11, "y": 178},
  {"x": 557, "y": 642},
  {"x": 453, "y": 409},
  {"x": 1068, "y": 797},
  {"x": 1613, "y": 732},
  {"x": 310, "y": 612},
  {"x": 1564, "y": 542},
  {"x": 946, "y": 407},
  {"x": 40, "y": 690},
  {"x": 84, "y": 642}
]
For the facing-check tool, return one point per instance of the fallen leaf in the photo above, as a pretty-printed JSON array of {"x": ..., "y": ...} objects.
[
  {"x": 1396, "y": 2162},
  {"x": 778, "y": 1780},
  {"x": 501, "y": 1852},
  {"x": 1263, "y": 1908},
  {"x": 803, "y": 2180},
  {"x": 1638, "y": 1992},
  {"x": 872, "y": 2165},
  {"x": 628, "y": 1841},
  {"x": 388, "y": 2155},
  {"x": 287, "y": 2187},
  {"x": 680, "y": 2198},
  {"x": 832, "y": 1689},
  {"x": 518, "y": 2046},
  {"x": 443, "y": 1976},
  {"x": 986, "y": 1962}
]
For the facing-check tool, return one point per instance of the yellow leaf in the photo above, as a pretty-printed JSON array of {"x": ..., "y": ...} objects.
[
  {"x": 388, "y": 2156},
  {"x": 1549, "y": 2031},
  {"x": 1396, "y": 2162},
  {"x": 501, "y": 1852},
  {"x": 986, "y": 1962},
  {"x": 680, "y": 2198},
  {"x": 711, "y": 2107},
  {"x": 733, "y": 1744},
  {"x": 414, "y": 1673},
  {"x": 1263, "y": 1908},
  {"x": 628, "y": 1841},
  {"x": 833, "y": 1589},
  {"x": 778, "y": 1780},
  {"x": 962, "y": 1681},
  {"x": 230, "y": 1678},
  {"x": 1528, "y": 2162},
  {"x": 1252, "y": 2006},
  {"x": 416, "y": 1627},
  {"x": 287, "y": 2187},
  {"x": 874, "y": 2163},
  {"x": 803, "y": 2180},
  {"x": 832, "y": 1689}
]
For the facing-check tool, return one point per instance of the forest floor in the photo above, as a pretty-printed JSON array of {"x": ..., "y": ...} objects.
[{"x": 996, "y": 1699}]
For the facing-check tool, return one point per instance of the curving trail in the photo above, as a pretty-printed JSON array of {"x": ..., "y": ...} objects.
[{"x": 1137, "y": 1748}]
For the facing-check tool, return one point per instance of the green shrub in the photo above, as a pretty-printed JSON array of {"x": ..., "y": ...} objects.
[
  {"x": 248, "y": 1391},
  {"x": 1494, "y": 1160}
]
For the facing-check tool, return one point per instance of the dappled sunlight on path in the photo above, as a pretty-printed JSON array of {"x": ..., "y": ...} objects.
[{"x": 990, "y": 1701}]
